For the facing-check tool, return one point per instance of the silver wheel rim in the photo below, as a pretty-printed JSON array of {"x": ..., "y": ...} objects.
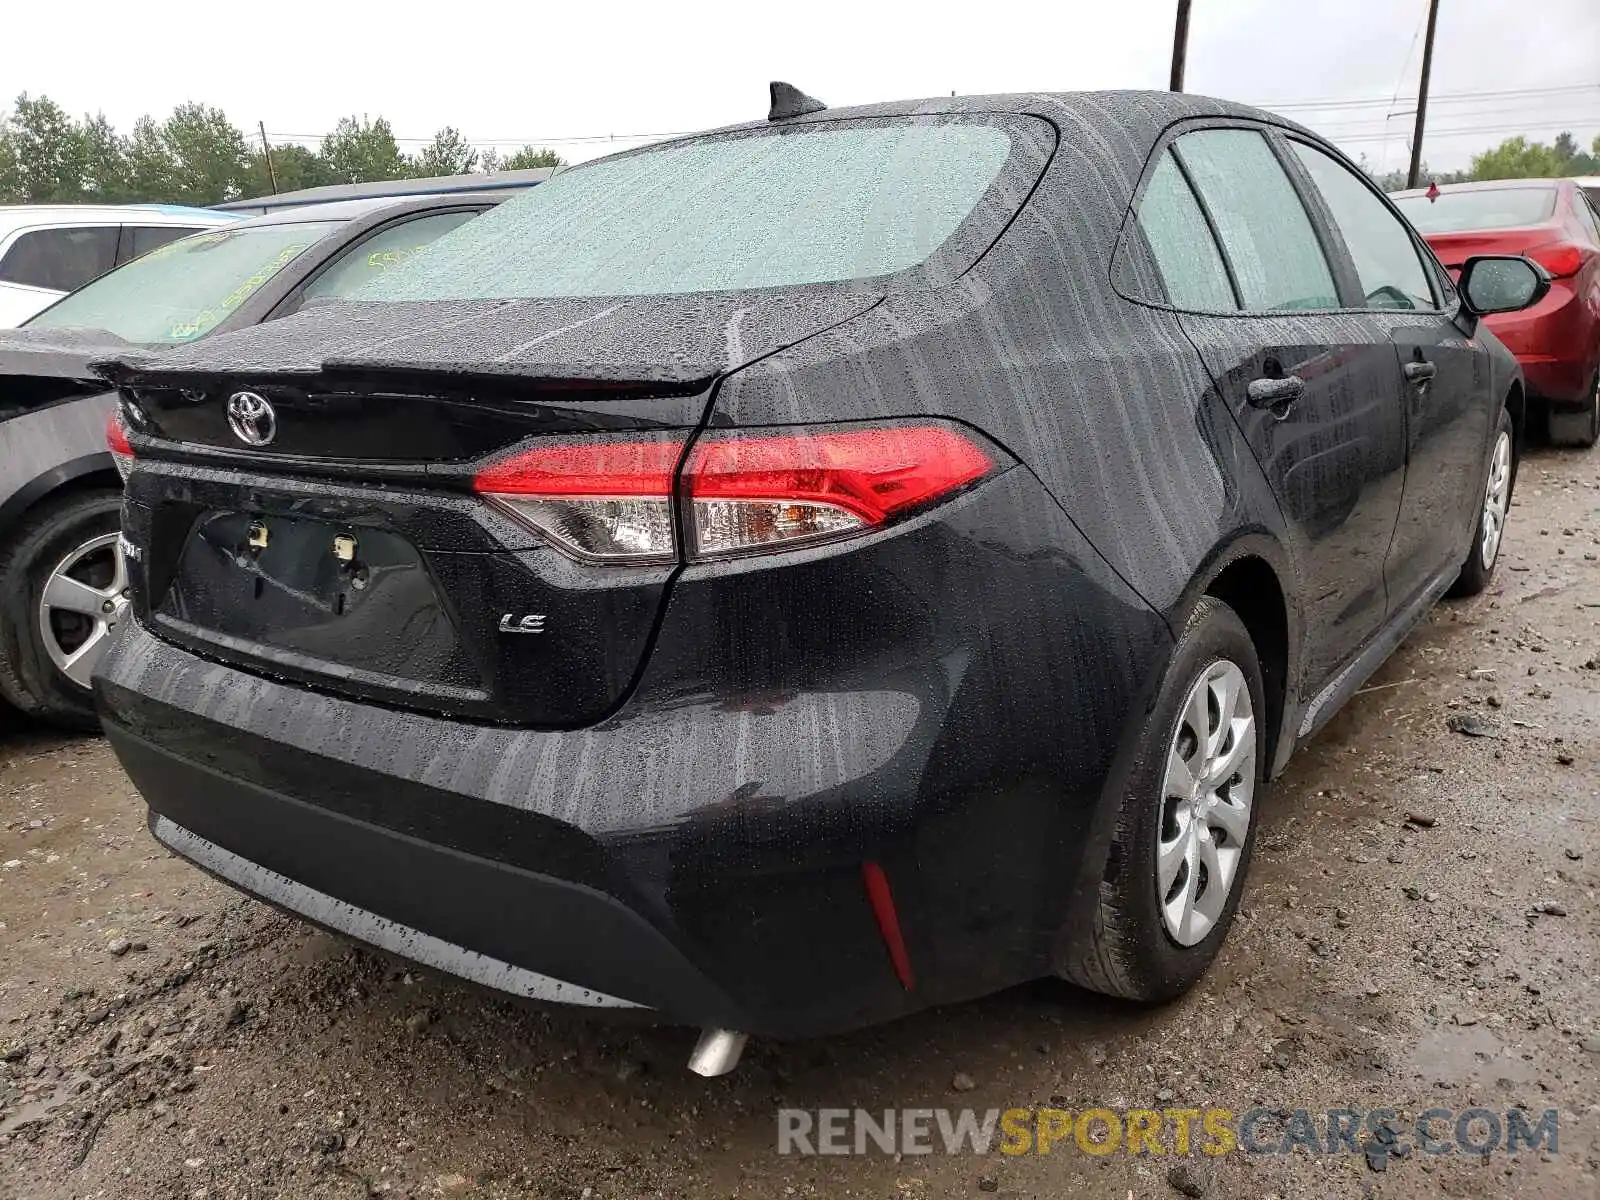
[
  {"x": 1206, "y": 802},
  {"x": 1496, "y": 494},
  {"x": 84, "y": 599}
]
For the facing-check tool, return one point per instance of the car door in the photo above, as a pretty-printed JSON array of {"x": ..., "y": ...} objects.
[
  {"x": 1449, "y": 415},
  {"x": 39, "y": 265},
  {"x": 1314, "y": 389}
]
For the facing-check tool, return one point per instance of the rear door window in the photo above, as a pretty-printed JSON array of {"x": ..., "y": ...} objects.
[
  {"x": 1185, "y": 252},
  {"x": 1386, "y": 259},
  {"x": 60, "y": 259},
  {"x": 1267, "y": 235}
]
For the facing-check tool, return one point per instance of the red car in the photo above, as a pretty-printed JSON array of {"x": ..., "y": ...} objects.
[{"x": 1557, "y": 341}]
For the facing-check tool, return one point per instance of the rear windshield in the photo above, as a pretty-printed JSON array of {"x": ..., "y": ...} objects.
[
  {"x": 772, "y": 210},
  {"x": 185, "y": 289},
  {"x": 1488, "y": 208}
]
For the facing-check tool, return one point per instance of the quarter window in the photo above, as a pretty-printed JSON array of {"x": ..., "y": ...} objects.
[
  {"x": 381, "y": 252},
  {"x": 1387, "y": 263},
  {"x": 62, "y": 260},
  {"x": 1185, "y": 252},
  {"x": 1265, "y": 232}
]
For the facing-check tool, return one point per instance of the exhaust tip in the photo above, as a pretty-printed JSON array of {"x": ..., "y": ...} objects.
[{"x": 717, "y": 1052}]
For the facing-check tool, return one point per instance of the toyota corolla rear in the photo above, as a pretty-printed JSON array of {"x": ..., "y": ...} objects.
[
  {"x": 1557, "y": 340},
  {"x": 467, "y": 625}
]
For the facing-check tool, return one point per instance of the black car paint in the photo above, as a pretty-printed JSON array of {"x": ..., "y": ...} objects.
[{"x": 954, "y": 698}]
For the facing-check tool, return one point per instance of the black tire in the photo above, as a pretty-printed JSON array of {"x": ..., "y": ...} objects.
[
  {"x": 1580, "y": 428},
  {"x": 29, "y": 680},
  {"x": 1475, "y": 574},
  {"x": 1128, "y": 951}
]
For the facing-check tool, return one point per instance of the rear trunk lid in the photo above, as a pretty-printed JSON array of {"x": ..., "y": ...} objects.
[
  {"x": 330, "y": 534},
  {"x": 44, "y": 367},
  {"x": 1454, "y": 249}
]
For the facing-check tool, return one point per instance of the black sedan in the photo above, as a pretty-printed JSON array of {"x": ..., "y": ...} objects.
[
  {"x": 790, "y": 576},
  {"x": 62, "y": 582}
]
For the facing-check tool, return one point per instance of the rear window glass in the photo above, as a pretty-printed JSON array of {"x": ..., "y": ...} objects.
[
  {"x": 775, "y": 210},
  {"x": 1489, "y": 208},
  {"x": 185, "y": 289}
]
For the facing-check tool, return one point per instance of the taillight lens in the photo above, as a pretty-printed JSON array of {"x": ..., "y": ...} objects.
[
  {"x": 601, "y": 501},
  {"x": 612, "y": 501},
  {"x": 752, "y": 493},
  {"x": 1559, "y": 258},
  {"x": 117, "y": 443}
]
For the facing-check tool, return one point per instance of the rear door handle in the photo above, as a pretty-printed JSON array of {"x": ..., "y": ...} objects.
[
  {"x": 1419, "y": 372},
  {"x": 1275, "y": 394}
]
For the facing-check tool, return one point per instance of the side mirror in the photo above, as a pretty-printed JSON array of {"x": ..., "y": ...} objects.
[{"x": 1497, "y": 283}]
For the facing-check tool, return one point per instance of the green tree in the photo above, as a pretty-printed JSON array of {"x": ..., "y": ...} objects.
[
  {"x": 105, "y": 161},
  {"x": 448, "y": 154},
  {"x": 294, "y": 167},
  {"x": 196, "y": 156},
  {"x": 532, "y": 156},
  {"x": 43, "y": 157},
  {"x": 362, "y": 151},
  {"x": 209, "y": 154},
  {"x": 1518, "y": 158}
]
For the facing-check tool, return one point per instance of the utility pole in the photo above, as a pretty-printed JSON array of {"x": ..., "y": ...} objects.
[
  {"x": 1414, "y": 175},
  {"x": 266, "y": 149},
  {"x": 1180, "y": 46}
]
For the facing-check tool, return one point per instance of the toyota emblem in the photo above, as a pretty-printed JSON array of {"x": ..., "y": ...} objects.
[{"x": 251, "y": 418}]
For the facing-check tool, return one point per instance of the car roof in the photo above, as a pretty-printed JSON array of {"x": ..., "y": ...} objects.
[
  {"x": 15, "y": 216},
  {"x": 1486, "y": 185},
  {"x": 1125, "y": 108},
  {"x": 396, "y": 189},
  {"x": 352, "y": 210}
]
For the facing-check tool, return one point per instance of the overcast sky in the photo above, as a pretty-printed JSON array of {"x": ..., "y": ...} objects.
[{"x": 544, "y": 72}]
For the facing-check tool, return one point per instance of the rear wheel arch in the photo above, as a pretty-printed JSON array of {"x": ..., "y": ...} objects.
[
  {"x": 89, "y": 472},
  {"x": 1250, "y": 585},
  {"x": 1516, "y": 403}
]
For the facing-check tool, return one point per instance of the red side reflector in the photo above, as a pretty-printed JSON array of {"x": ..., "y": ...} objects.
[
  {"x": 1559, "y": 258},
  {"x": 882, "y": 901},
  {"x": 117, "y": 437},
  {"x": 873, "y": 473},
  {"x": 600, "y": 468}
]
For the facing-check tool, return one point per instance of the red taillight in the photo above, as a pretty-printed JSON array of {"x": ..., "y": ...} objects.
[
  {"x": 601, "y": 501},
  {"x": 748, "y": 493},
  {"x": 1559, "y": 258},
  {"x": 117, "y": 443},
  {"x": 611, "y": 500},
  {"x": 586, "y": 469}
]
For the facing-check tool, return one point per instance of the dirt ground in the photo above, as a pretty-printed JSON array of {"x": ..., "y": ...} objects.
[{"x": 1419, "y": 930}]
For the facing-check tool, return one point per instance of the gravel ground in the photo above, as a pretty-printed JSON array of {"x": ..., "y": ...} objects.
[{"x": 1419, "y": 931}]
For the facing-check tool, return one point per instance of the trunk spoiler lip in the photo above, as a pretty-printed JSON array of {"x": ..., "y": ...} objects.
[{"x": 335, "y": 375}]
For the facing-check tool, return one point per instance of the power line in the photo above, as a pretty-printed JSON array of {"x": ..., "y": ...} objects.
[
  {"x": 1441, "y": 98},
  {"x": 1464, "y": 131}
]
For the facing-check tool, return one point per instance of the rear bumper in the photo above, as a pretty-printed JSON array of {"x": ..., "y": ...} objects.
[
  {"x": 701, "y": 852},
  {"x": 1557, "y": 343}
]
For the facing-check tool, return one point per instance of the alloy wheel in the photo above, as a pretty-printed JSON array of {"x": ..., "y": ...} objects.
[
  {"x": 84, "y": 598},
  {"x": 1207, "y": 794},
  {"x": 1496, "y": 497}
]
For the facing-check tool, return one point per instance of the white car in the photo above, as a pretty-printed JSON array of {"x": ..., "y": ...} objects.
[{"x": 48, "y": 250}]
